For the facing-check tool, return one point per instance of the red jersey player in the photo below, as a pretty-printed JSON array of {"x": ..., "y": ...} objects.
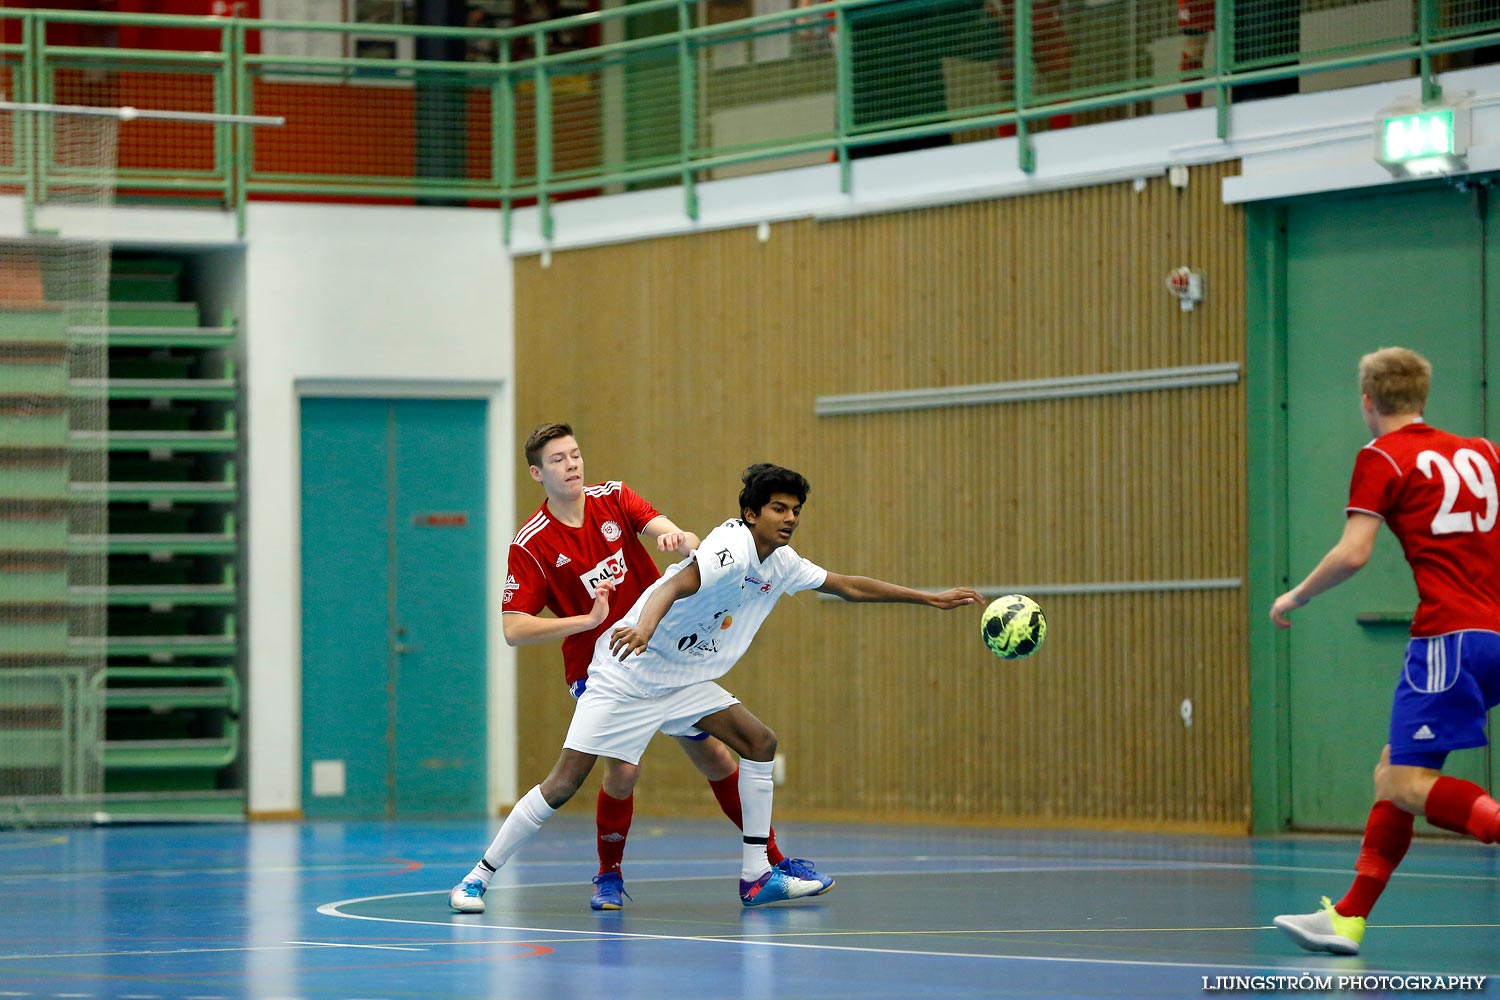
[
  {"x": 1437, "y": 492},
  {"x": 580, "y": 556}
]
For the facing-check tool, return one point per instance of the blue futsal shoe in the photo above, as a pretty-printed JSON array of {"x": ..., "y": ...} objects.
[
  {"x": 608, "y": 888},
  {"x": 776, "y": 885},
  {"x": 801, "y": 868},
  {"x": 467, "y": 896}
]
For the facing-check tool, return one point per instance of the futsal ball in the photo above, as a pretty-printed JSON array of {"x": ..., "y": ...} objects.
[{"x": 1013, "y": 626}]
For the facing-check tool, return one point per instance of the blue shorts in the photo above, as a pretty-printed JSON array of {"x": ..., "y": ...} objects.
[{"x": 1448, "y": 686}]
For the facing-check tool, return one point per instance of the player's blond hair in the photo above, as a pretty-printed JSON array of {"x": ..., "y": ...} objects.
[{"x": 1396, "y": 380}]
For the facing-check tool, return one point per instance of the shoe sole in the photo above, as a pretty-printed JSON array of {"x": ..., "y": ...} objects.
[
  {"x": 1332, "y": 944},
  {"x": 606, "y": 906},
  {"x": 471, "y": 909}
]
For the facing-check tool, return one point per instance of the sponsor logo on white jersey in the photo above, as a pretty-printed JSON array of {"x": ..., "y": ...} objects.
[
  {"x": 611, "y": 567},
  {"x": 763, "y": 586},
  {"x": 702, "y": 641},
  {"x": 1424, "y": 734},
  {"x": 694, "y": 644},
  {"x": 610, "y": 530},
  {"x": 562, "y": 560}
]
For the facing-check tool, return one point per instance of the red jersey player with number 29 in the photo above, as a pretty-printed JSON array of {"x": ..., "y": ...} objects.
[
  {"x": 580, "y": 556},
  {"x": 1438, "y": 494}
]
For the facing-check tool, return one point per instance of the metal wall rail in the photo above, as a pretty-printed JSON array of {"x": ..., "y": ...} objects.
[{"x": 644, "y": 95}]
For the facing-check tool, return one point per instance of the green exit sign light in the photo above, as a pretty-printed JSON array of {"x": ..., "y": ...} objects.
[
  {"x": 1427, "y": 141},
  {"x": 1427, "y": 133}
]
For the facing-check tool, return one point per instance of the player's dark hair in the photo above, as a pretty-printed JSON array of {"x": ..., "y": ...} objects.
[
  {"x": 763, "y": 480},
  {"x": 537, "y": 440}
]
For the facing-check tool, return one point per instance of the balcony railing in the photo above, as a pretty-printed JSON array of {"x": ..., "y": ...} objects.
[{"x": 654, "y": 94}]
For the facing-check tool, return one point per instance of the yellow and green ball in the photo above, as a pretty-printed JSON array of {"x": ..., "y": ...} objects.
[{"x": 1013, "y": 626}]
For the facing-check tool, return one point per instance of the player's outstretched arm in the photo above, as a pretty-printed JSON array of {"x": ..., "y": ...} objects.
[
  {"x": 669, "y": 537},
  {"x": 864, "y": 588},
  {"x": 627, "y": 639},
  {"x": 1340, "y": 563}
]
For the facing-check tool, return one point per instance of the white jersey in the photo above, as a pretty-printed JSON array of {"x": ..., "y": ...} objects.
[{"x": 704, "y": 634}]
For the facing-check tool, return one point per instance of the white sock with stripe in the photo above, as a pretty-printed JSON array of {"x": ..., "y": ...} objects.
[
  {"x": 756, "y": 791},
  {"x": 519, "y": 827}
]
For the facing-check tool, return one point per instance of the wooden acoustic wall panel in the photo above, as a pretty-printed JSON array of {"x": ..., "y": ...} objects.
[{"x": 682, "y": 360}]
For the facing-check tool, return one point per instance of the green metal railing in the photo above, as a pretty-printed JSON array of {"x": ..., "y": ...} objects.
[{"x": 646, "y": 95}]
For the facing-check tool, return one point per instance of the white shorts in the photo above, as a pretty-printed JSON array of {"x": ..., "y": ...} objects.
[{"x": 613, "y": 724}]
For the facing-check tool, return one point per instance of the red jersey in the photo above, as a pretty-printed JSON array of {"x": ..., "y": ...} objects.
[
  {"x": 556, "y": 566},
  {"x": 1437, "y": 493}
]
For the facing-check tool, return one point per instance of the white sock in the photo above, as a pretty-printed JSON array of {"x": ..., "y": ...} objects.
[
  {"x": 756, "y": 789},
  {"x": 519, "y": 827}
]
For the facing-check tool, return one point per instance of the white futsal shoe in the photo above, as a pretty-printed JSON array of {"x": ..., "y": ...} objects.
[{"x": 467, "y": 896}]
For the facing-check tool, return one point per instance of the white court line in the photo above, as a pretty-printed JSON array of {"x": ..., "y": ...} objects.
[
  {"x": 331, "y": 909},
  {"x": 40, "y": 956},
  {"x": 905, "y": 952},
  {"x": 372, "y": 947}
]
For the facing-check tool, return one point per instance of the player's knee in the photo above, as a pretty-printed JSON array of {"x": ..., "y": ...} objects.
[
  {"x": 760, "y": 745},
  {"x": 566, "y": 778},
  {"x": 718, "y": 759},
  {"x": 557, "y": 791},
  {"x": 1405, "y": 787},
  {"x": 1382, "y": 774},
  {"x": 710, "y": 756},
  {"x": 620, "y": 779}
]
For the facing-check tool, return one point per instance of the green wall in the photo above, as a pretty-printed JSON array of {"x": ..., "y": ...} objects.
[{"x": 1330, "y": 279}]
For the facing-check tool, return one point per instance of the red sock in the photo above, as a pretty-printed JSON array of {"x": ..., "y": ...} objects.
[
  {"x": 612, "y": 817},
  {"x": 1463, "y": 807},
  {"x": 1194, "y": 98},
  {"x": 727, "y": 791},
  {"x": 1387, "y": 836}
]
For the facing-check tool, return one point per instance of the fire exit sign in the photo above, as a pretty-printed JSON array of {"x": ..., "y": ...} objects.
[{"x": 1426, "y": 141}]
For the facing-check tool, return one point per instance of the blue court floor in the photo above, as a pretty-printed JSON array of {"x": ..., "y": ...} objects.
[{"x": 358, "y": 911}]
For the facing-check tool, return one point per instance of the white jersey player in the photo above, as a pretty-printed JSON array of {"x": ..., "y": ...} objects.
[
  {"x": 705, "y": 633},
  {"x": 657, "y": 671}
]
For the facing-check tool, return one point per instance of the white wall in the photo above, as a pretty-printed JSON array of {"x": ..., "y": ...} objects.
[
  {"x": 369, "y": 301},
  {"x": 337, "y": 299}
]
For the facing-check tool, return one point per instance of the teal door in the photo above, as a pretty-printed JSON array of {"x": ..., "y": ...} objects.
[
  {"x": 1405, "y": 270},
  {"x": 393, "y": 607}
]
